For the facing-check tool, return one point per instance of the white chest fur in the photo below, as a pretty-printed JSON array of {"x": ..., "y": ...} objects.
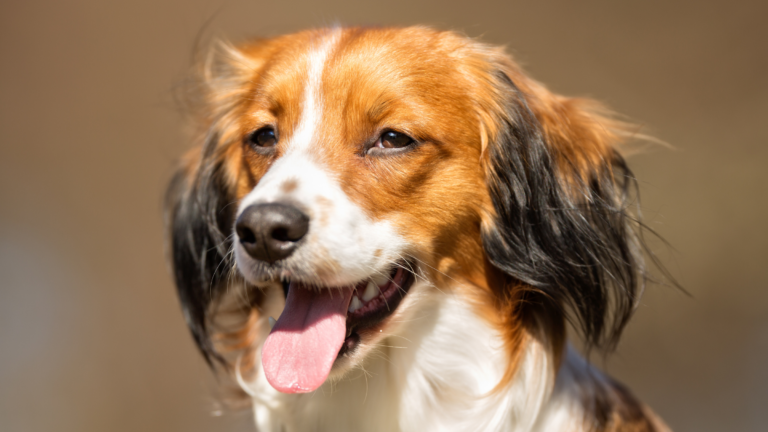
[{"x": 437, "y": 376}]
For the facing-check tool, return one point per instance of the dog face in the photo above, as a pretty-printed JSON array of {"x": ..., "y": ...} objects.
[
  {"x": 363, "y": 168},
  {"x": 361, "y": 159},
  {"x": 368, "y": 154}
]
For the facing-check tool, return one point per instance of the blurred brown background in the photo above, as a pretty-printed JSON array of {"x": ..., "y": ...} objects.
[{"x": 91, "y": 335}]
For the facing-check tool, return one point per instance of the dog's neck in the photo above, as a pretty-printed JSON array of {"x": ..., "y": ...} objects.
[{"x": 440, "y": 375}]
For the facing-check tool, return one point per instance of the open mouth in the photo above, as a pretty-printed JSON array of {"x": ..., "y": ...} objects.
[
  {"x": 320, "y": 325},
  {"x": 373, "y": 301}
]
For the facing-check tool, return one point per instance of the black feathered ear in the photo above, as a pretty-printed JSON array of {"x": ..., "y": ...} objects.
[
  {"x": 200, "y": 202},
  {"x": 200, "y": 219},
  {"x": 561, "y": 195}
]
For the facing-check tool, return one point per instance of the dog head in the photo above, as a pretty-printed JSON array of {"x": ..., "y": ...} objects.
[{"x": 362, "y": 168}]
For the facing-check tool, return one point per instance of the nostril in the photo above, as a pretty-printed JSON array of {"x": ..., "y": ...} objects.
[
  {"x": 245, "y": 234},
  {"x": 280, "y": 234}
]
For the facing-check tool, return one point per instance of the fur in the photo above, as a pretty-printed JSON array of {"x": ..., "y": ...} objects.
[{"x": 512, "y": 207}]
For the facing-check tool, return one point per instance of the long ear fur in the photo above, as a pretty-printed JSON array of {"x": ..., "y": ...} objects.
[
  {"x": 200, "y": 200},
  {"x": 200, "y": 225},
  {"x": 561, "y": 195}
]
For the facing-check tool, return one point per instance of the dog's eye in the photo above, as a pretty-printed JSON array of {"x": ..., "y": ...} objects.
[
  {"x": 390, "y": 141},
  {"x": 264, "y": 138}
]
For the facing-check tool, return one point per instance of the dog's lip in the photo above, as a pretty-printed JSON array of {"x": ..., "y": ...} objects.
[
  {"x": 385, "y": 293},
  {"x": 373, "y": 312}
]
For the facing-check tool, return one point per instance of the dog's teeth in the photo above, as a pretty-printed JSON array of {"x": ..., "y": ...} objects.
[
  {"x": 371, "y": 291},
  {"x": 380, "y": 279},
  {"x": 271, "y": 323},
  {"x": 355, "y": 304}
]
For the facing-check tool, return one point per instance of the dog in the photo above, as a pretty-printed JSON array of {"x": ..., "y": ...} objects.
[{"x": 389, "y": 229}]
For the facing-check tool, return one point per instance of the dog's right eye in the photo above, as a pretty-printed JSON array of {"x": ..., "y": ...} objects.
[
  {"x": 263, "y": 139},
  {"x": 391, "y": 142}
]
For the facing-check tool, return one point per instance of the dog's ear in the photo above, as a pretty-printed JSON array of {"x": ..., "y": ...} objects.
[
  {"x": 199, "y": 224},
  {"x": 200, "y": 201},
  {"x": 561, "y": 221}
]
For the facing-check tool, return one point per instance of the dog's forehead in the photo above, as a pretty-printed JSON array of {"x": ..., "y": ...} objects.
[
  {"x": 332, "y": 94},
  {"x": 354, "y": 79}
]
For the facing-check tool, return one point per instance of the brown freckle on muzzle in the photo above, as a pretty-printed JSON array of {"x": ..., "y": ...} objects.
[
  {"x": 324, "y": 202},
  {"x": 326, "y": 266},
  {"x": 289, "y": 186},
  {"x": 324, "y": 209}
]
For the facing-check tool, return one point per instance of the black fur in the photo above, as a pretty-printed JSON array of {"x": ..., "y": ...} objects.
[
  {"x": 200, "y": 217},
  {"x": 576, "y": 249},
  {"x": 200, "y": 207}
]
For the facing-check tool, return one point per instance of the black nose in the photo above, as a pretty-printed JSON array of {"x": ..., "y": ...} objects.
[{"x": 270, "y": 232}]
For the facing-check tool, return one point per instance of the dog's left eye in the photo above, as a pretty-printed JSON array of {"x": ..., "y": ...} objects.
[
  {"x": 391, "y": 141},
  {"x": 263, "y": 139}
]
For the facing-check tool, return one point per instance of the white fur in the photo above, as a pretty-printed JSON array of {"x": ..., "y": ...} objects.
[
  {"x": 435, "y": 372},
  {"x": 312, "y": 109},
  {"x": 569, "y": 394}
]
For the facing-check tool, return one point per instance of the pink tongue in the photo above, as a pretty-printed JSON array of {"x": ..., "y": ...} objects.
[{"x": 299, "y": 352}]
